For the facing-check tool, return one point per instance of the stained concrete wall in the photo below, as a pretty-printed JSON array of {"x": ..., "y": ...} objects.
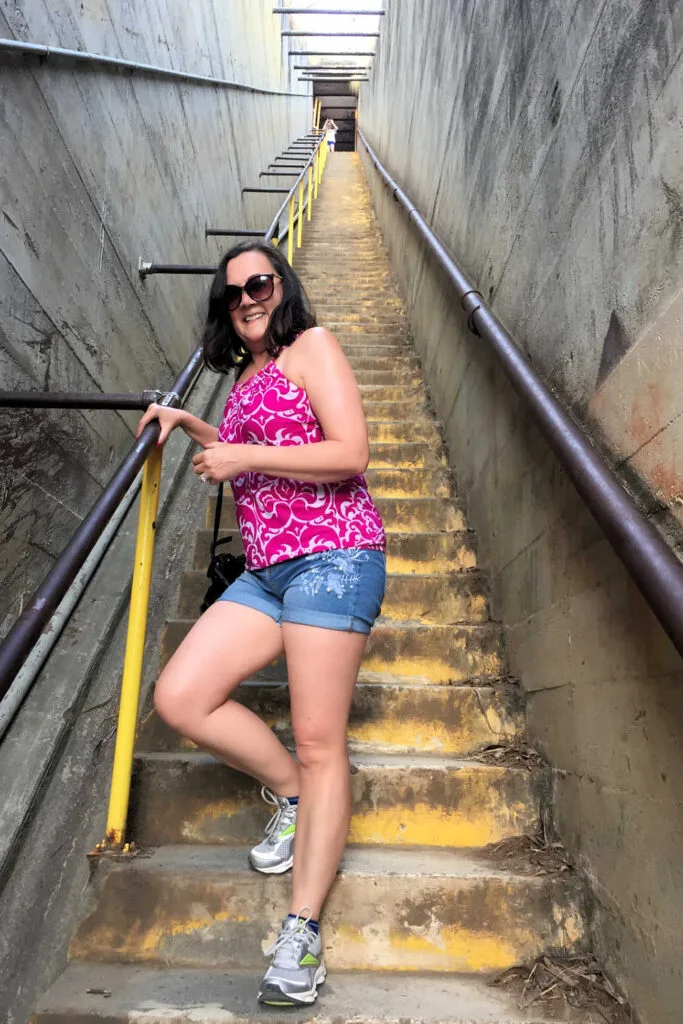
[
  {"x": 99, "y": 168},
  {"x": 542, "y": 141}
]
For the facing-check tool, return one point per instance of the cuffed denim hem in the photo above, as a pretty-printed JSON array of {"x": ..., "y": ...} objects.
[{"x": 326, "y": 620}]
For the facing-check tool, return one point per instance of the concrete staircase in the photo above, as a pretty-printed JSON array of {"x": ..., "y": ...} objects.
[{"x": 422, "y": 913}]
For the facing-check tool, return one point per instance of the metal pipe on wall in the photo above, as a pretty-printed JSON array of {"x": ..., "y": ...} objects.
[
  {"x": 74, "y": 400},
  {"x": 98, "y": 59},
  {"x": 652, "y": 564}
]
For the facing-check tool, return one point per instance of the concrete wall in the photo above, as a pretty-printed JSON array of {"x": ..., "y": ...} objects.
[
  {"x": 99, "y": 168},
  {"x": 542, "y": 140},
  {"x": 56, "y": 759}
]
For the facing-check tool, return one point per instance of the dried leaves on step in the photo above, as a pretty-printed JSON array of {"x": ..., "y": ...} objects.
[
  {"x": 529, "y": 855},
  {"x": 576, "y": 981},
  {"x": 508, "y": 756}
]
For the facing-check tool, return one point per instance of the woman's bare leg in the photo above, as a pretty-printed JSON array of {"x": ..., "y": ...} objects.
[
  {"x": 228, "y": 644},
  {"x": 322, "y": 665}
]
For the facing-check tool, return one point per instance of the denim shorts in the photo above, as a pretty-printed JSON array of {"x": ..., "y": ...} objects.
[{"x": 340, "y": 589}]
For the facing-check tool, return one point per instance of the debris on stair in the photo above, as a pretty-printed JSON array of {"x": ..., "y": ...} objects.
[
  {"x": 529, "y": 855},
  {"x": 509, "y": 756},
  {"x": 578, "y": 982}
]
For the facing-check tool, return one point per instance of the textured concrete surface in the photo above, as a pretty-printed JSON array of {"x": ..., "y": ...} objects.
[
  {"x": 393, "y": 719},
  {"x": 542, "y": 143},
  {"x": 427, "y": 801},
  {"x": 400, "y": 902},
  {"x": 440, "y": 654},
  {"x": 100, "y": 168},
  {"x": 137, "y": 995},
  {"x": 56, "y": 759},
  {"x": 407, "y": 910}
]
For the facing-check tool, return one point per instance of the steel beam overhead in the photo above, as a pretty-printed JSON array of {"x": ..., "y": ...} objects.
[
  {"x": 331, "y": 53},
  {"x": 334, "y": 35},
  {"x": 307, "y": 10}
]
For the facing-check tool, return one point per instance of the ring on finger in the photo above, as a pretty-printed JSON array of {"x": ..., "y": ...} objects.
[{"x": 204, "y": 478}]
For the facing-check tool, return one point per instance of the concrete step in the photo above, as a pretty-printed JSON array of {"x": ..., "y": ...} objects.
[
  {"x": 399, "y": 376},
  {"x": 408, "y": 483},
  {"x": 323, "y": 301},
  {"x": 378, "y": 306},
  {"x": 402, "y": 515},
  {"x": 396, "y": 411},
  {"x": 312, "y": 265},
  {"x": 366, "y": 325},
  {"x": 456, "y": 720},
  {"x": 374, "y": 344},
  {"x": 343, "y": 243},
  {"x": 351, "y": 293},
  {"x": 434, "y": 482},
  {"x": 407, "y": 553},
  {"x": 398, "y": 800},
  {"x": 406, "y": 455},
  {"x": 412, "y": 395},
  {"x": 345, "y": 278},
  {"x": 399, "y": 652},
  {"x": 371, "y": 282},
  {"x": 397, "y": 431},
  {"x": 456, "y": 597},
  {"x": 404, "y": 910},
  {"x": 438, "y": 598},
  {"x": 403, "y": 363},
  {"x": 145, "y": 995},
  {"x": 374, "y": 311}
]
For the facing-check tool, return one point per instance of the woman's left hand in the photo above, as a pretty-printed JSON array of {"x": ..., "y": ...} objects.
[{"x": 219, "y": 462}]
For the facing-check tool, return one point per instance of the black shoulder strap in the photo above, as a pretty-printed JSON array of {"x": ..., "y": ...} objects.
[{"x": 217, "y": 522}]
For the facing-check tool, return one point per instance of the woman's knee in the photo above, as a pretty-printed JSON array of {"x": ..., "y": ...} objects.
[
  {"x": 320, "y": 750},
  {"x": 171, "y": 703}
]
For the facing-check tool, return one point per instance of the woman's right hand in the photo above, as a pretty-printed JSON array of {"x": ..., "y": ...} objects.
[{"x": 168, "y": 418}]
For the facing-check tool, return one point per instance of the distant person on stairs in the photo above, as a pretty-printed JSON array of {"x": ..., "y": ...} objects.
[
  {"x": 293, "y": 443},
  {"x": 331, "y": 130}
]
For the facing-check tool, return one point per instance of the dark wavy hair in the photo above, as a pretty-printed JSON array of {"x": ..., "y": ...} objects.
[{"x": 223, "y": 348}]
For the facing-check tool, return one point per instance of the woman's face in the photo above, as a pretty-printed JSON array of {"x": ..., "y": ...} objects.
[{"x": 251, "y": 318}]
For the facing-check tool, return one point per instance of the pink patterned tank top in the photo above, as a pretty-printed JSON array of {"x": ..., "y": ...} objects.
[{"x": 280, "y": 518}]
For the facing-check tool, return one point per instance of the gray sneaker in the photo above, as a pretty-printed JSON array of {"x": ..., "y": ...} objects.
[
  {"x": 297, "y": 968},
  {"x": 275, "y": 853}
]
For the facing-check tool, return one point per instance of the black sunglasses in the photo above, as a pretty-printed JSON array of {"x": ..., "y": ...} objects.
[{"x": 259, "y": 287}]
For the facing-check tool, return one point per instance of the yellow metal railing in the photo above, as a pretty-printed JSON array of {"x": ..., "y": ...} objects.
[
  {"x": 296, "y": 207},
  {"x": 115, "y": 832}
]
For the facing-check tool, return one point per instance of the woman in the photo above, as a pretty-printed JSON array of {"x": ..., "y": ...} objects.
[
  {"x": 293, "y": 443},
  {"x": 331, "y": 130}
]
